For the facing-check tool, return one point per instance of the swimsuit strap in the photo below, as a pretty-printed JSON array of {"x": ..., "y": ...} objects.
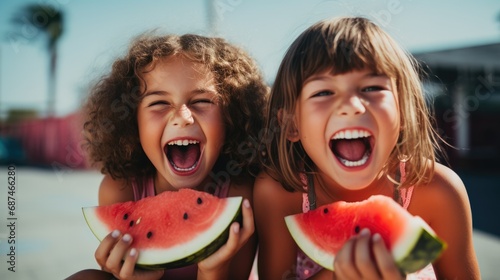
[
  {"x": 402, "y": 195},
  {"x": 308, "y": 197},
  {"x": 311, "y": 194},
  {"x": 222, "y": 189},
  {"x": 143, "y": 187}
]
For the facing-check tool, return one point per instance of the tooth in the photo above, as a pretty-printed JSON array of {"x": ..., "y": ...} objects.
[
  {"x": 341, "y": 135},
  {"x": 349, "y": 163},
  {"x": 355, "y": 134},
  {"x": 348, "y": 134},
  {"x": 185, "y": 142}
]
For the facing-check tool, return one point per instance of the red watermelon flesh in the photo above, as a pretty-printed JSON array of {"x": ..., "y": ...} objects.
[
  {"x": 322, "y": 232},
  {"x": 172, "y": 229}
]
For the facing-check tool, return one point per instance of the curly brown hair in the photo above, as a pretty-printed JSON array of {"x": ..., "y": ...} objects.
[{"x": 111, "y": 129}]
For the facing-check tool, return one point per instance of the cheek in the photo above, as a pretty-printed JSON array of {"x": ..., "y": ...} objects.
[{"x": 213, "y": 125}]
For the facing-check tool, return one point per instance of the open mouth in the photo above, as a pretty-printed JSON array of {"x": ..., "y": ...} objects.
[
  {"x": 352, "y": 147},
  {"x": 183, "y": 155}
]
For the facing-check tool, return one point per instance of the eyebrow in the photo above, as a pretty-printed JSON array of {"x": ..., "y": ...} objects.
[{"x": 164, "y": 93}]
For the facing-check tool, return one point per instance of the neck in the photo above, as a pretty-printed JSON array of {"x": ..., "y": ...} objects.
[
  {"x": 162, "y": 185},
  {"x": 328, "y": 193}
]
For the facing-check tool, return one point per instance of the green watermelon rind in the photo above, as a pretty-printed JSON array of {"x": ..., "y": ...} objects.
[
  {"x": 419, "y": 247},
  {"x": 162, "y": 258},
  {"x": 425, "y": 248}
]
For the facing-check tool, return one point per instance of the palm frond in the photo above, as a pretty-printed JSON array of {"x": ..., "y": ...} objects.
[{"x": 40, "y": 19}]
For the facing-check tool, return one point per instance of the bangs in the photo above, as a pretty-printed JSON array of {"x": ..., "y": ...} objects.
[{"x": 356, "y": 45}]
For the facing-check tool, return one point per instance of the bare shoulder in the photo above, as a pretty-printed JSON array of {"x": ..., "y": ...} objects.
[
  {"x": 277, "y": 249},
  {"x": 445, "y": 191},
  {"x": 112, "y": 191},
  {"x": 444, "y": 205}
]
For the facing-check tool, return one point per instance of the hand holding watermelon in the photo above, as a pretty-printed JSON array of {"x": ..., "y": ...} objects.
[
  {"x": 116, "y": 256},
  {"x": 337, "y": 236},
  {"x": 365, "y": 256},
  {"x": 170, "y": 230},
  {"x": 238, "y": 236}
]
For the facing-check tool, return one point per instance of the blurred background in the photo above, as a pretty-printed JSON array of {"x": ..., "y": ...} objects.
[{"x": 52, "y": 51}]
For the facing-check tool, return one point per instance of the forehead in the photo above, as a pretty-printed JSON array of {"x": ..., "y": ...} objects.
[{"x": 175, "y": 68}]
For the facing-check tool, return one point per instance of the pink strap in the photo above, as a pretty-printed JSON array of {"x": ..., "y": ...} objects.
[
  {"x": 145, "y": 189},
  {"x": 405, "y": 193},
  {"x": 222, "y": 190},
  {"x": 305, "y": 199}
]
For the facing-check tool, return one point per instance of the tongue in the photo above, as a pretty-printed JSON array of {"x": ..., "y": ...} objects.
[
  {"x": 352, "y": 150},
  {"x": 184, "y": 156}
]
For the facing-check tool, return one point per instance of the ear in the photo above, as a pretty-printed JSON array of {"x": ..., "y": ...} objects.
[{"x": 292, "y": 133}]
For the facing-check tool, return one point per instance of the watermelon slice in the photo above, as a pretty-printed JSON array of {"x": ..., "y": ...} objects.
[
  {"x": 170, "y": 230},
  {"x": 320, "y": 233}
]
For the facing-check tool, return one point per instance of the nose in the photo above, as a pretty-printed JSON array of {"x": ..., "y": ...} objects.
[
  {"x": 351, "y": 105},
  {"x": 183, "y": 116}
]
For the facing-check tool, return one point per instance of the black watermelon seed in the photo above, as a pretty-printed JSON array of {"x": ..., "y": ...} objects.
[
  {"x": 125, "y": 216},
  {"x": 357, "y": 229},
  {"x": 185, "y": 217},
  {"x": 199, "y": 201},
  {"x": 149, "y": 234},
  {"x": 325, "y": 210},
  {"x": 131, "y": 223}
]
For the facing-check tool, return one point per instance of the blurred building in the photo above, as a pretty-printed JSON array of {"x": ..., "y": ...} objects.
[
  {"x": 463, "y": 86},
  {"x": 53, "y": 142}
]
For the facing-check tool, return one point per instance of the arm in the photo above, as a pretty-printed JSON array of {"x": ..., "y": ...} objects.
[
  {"x": 444, "y": 205},
  {"x": 277, "y": 250},
  {"x": 234, "y": 260},
  {"x": 113, "y": 191}
]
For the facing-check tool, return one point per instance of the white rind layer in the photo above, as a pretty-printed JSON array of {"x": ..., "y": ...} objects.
[
  {"x": 408, "y": 240},
  {"x": 317, "y": 254},
  {"x": 157, "y": 256},
  {"x": 400, "y": 249}
]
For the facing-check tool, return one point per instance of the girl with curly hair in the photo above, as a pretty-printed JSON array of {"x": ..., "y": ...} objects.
[{"x": 177, "y": 112}]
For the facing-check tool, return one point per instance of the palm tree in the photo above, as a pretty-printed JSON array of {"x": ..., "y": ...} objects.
[{"x": 47, "y": 20}]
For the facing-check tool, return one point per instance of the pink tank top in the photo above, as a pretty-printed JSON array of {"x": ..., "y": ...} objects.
[
  {"x": 307, "y": 267},
  {"x": 146, "y": 189}
]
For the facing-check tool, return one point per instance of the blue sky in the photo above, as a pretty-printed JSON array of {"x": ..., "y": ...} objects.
[{"x": 98, "y": 31}]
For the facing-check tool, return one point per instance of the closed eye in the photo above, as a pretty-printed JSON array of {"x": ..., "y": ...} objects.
[
  {"x": 201, "y": 101},
  {"x": 372, "y": 88},
  {"x": 158, "y": 103},
  {"x": 323, "y": 93}
]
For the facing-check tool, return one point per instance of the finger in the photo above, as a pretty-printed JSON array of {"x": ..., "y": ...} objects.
[
  {"x": 129, "y": 271},
  {"x": 362, "y": 258},
  {"x": 384, "y": 259},
  {"x": 103, "y": 250},
  {"x": 344, "y": 261},
  {"x": 225, "y": 252},
  {"x": 239, "y": 235},
  {"x": 233, "y": 240},
  {"x": 248, "y": 220},
  {"x": 114, "y": 261},
  {"x": 128, "y": 266}
]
